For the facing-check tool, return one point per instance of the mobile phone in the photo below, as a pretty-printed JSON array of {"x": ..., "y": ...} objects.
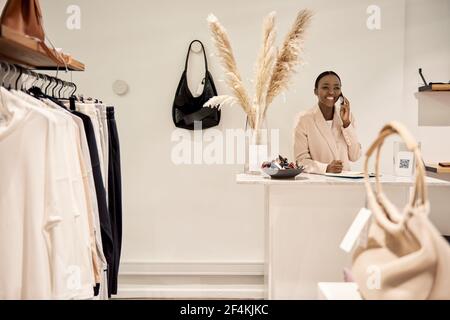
[{"x": 341, "y": 99}]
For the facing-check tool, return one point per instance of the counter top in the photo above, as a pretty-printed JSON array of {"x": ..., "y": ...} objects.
[{"x": 316, "y": 179}]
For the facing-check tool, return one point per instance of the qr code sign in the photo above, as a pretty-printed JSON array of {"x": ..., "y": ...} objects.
[{"x": 404, "y": 163}]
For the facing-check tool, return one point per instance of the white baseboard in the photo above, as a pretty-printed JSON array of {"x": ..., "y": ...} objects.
[
  {"x": 191, "y": 280},
  {"x": 248, "y": 292}
]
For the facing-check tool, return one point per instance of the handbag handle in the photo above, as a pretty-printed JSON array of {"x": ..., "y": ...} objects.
[
  {"x": 189, "y": 52},
  {"x": 385, "y": 212}
]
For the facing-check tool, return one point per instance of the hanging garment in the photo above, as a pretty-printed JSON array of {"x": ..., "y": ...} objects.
[
  {"x": 57, "y": 240},
  {"x": 85, "y": 126},
  {"x": 103, "y": 125},
  {"x": 405, "y": 257},
  {"x": 47, "y": 251},
  {"x": 109, "y": 245},
  {"x": 84, "y": 254},
  {"x": 79, "y": 270},
  {"x": 79, "y": 136},
  {"x": 27, "y": 138},
  {"x": 104, "y": 219},
  {"x": 115, "y": 195},
  {"x": 90, "y": 110}
]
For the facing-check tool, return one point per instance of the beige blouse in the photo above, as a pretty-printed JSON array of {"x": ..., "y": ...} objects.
[{"x": 316, "y": 145}]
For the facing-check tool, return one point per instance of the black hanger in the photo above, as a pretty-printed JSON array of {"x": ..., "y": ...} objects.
[
  {"x": 52, "y": 91},
  {"x": 18, "y": 78},
  {"x": 50, "y": 85},
  {"x": 36, "y": 92},
  {"x": 63, "y": 84},
  {"x": 58, "y": 92},
  {"x": 73, "y": 98},
  {"x": 54, "y": 88}
]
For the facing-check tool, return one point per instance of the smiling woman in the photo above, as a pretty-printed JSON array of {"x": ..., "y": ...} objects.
[{"x": 325, "y": 138}]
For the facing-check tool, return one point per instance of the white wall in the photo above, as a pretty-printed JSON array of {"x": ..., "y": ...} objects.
[
  {"x": 427, "y": 46},
  {"x": 198, "y": 213}
]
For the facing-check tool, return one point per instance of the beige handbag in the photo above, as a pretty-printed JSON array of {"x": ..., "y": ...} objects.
[
  {"x": 25, "y": 17},
  {"x": 405, "y": 257}
]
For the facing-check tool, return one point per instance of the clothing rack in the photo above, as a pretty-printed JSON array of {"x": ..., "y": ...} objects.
[
  {"x": 72, "y": 150},
  {"x": 12, "y": 74}
]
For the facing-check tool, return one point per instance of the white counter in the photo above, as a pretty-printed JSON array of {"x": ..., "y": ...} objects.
[
  {"x": 307, "y": 218},
  {"x": 317, "y": 179}
]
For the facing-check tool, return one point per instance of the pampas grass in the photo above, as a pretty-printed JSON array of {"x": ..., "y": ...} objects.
[
  {"x": 225, "y": 52},
  {"x": 264, "y": 66},
  {"x": 219, "y": 101},
  {"x": 273, "y": 68},
  {"x": 288, "y": 57}
]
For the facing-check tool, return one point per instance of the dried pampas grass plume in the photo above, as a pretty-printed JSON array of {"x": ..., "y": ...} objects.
[
  {"x": 265, "y": 64},
  {"x": 288, "y": 57},
  {"x": 273, "y": 68},
  {"x": 226, "y": 56},
  {"x": 219, "y": 101}
]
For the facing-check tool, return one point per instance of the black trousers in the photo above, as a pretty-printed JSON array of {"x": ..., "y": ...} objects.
[{"x": 115, "y": 198}]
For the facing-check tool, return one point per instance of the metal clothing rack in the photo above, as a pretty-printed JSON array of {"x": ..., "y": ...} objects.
[{"x": 12, "y": 74}]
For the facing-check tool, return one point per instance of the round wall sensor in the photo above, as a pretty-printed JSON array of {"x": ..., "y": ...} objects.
[{"x": 120, "y": 87}]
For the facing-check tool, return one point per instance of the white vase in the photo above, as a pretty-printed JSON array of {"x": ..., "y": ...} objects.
[{"x": 257, "y": 147}]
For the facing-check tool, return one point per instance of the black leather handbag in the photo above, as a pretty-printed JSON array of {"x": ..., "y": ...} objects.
[{"x": 188, "y": 109}]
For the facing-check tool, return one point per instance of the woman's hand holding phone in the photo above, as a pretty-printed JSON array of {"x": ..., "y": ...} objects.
[{"x": 345, "y": 111}]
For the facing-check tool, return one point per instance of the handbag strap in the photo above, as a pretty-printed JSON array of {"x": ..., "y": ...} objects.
[
  {"x": 387, "y": 216},
  {"x": 189, "y": 52}
]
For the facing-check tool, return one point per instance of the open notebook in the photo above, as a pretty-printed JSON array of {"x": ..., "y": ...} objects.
[{"x": 349, "y": 174}]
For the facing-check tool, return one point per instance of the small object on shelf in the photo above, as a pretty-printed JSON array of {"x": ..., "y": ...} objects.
[
  {"x": 437, "y": 168},
  {"x": 22, "y": 39},
  {"x": 17, "y": 48},
  {"x": 433, "y": 86},
  {"x": 437, "y": 171}
]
